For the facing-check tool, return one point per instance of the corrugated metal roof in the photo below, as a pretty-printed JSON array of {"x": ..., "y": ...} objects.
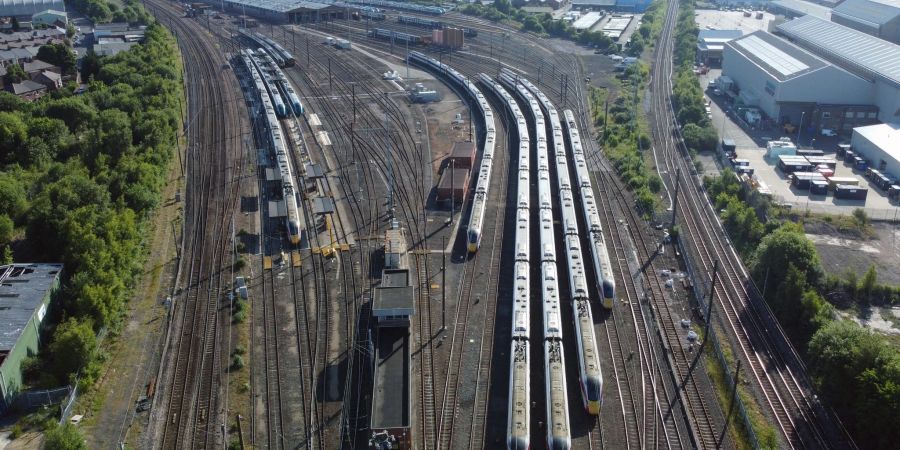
[
  {"x": 718, "y": 36},
  {"x": 22, "y": 291},
  {"x": 780, "y": 58},
  {"x": 279, "y": 5},
  {"x": 28, "y": 7},
  {"x": 802, "y": 7},
  {"x": 875, "y": 12},
  {"x": 845, "y": 46}
]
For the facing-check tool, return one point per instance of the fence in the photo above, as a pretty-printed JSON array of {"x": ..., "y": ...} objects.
[
  {"x": 32, "y": 400},
  {"x": 876, "y": 214}
]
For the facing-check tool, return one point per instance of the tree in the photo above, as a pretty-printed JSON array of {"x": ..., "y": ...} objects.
[
  {"x": 6, "y": 229},
  {"x": 63, "y": 437},
  {"x": 699, "y": 138},
  {"x": 74, "y": 344},
  {"x": 12, "y": 195},
  {"x": 58, "y": 55},
  {"x": 13, "y": 133},
  {"x": 867, "y": 285},
  {"x": 14, "y": 74},
  {"x": 503, "y": 6},
  {"x": 786, "y": 245},
  {"x": 859, "y": 373}
]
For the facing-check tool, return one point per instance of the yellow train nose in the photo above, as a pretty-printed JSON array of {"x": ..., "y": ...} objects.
[
  {"x": 473, "y": 247},
  {"x": 593, "y": 408}
]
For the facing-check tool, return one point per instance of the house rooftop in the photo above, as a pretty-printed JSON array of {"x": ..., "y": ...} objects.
[{"x": 23, "y": 288}]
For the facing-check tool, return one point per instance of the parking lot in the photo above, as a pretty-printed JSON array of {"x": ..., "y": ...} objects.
[{"x": 751, "y": 145}]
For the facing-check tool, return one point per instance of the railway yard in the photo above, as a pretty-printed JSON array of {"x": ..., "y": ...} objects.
[{"x": 527, "y": 311}]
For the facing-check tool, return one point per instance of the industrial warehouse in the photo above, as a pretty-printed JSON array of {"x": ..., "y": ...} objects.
[
  {"x": 793, "y": 79},
  {"x": 291, "y": 11}
]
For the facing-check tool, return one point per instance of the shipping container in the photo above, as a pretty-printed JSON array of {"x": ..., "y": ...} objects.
[
  {"x": 849, "y": 155},
  {"x": 847, "y": 181},
  {"x": 802, "y": 180},
  {"x": 728, "y": 146},
  {"x": 842, "y": 150},
  {"x": 453, "y": 185},
  {"x": 740, "y": 162},
  {"x": 822, "y": 161},
  {"x": 860, "y": 164},
  {"x": 826, "y": 172},
  {"x": 894, "y": 192},
  {"x": 818, "y": 187},
  {"x": 810, "y": 152},
  {"x": 462, "y": 156},
  {"x": 850, "y": 192}
]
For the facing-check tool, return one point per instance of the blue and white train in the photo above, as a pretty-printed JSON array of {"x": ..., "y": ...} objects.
[
  {"x": 590, "y": 376},
  {"x": 482, "y": 186},
  {"x": 279, "y": 146},
  {"x": 518, "y": 420},
  {"x": 558, "y": 430},
  {"x": 599, "y": 250}
]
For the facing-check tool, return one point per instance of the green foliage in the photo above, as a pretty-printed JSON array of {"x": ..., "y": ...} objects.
[
  {"x": 237, "y": 362},
  {"x": 6, "y": 256},
  {"x": 59, "y": 55},
  {"x": 699, "y": 138},
  {"x": 82, "y": 174},
  {"x": 780, "y": 249},
  {"x": 74, "y": 345},
  {"x": 868, "y": 283},
  {"x": 14, "y": 74},
  {"x": 859, "y": 215},
  {"x": 740, "y": 219},
  {"x": 63, "y": 437},
  {"x": 859, "y": 373},
  {"x": 7, "y": 227}
]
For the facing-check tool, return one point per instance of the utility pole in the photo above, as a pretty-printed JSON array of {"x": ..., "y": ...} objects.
[
  {"x": 712, "y": 291},
  {"x": 675, "y": 200},
  {"x": 329, "y": 75},
  {"x": 443, "y": 283}
]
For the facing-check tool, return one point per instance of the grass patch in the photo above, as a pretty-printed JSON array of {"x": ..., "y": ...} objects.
[{"x": 765, "y": 433}]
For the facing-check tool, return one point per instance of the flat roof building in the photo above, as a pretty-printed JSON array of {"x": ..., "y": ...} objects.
[
  {"x": 879, "y": 18},
  {"x": 792, "y": 85},
  {"x": 292, "y": 11},
  {"x": 869, "y": 57},
  {"x": 19, "y": 8},
  {"x": 25, "y": 294},
  {"x": 880, "y": 144},
  {"x": 799, "y": 8},
  {"x": 711, "y": 43}
]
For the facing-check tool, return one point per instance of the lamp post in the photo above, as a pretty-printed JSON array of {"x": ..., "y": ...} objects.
[{"x": 800, "y": 127}]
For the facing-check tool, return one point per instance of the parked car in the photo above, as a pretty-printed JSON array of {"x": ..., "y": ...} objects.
[{"x": 828, "y": 132}]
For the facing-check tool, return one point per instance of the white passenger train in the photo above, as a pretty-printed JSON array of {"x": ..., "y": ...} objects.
[
  {"x": 517, "y": 431},
  {"x": 599, "y": 251},
  {"x": 558, "y": 430},
  {"x": 482, "y": 186},
  {"x": 279, "y": 146},
  {"x": 590, "y": 376},
  {"x": 263, "y": 65}
]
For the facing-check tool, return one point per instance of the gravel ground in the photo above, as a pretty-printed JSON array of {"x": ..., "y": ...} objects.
[{"x": 840, "y": 252}]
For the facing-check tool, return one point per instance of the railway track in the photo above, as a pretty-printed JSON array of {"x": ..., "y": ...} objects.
[
  {"x": 776, "y": 371},
  {"x": 192, "y": 414}
]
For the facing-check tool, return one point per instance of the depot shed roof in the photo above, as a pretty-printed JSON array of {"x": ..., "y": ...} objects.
[
  {"x": 23, "y": 288},
  {"x": 876, "y": 12},
  {"x": 778, "y": 57},
  {"x": 855, "y": 50}
]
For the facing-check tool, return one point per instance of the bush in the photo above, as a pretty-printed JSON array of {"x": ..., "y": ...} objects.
[
  {"x": 63, "y": 437},
  {"x": 237, "y": 362}
]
